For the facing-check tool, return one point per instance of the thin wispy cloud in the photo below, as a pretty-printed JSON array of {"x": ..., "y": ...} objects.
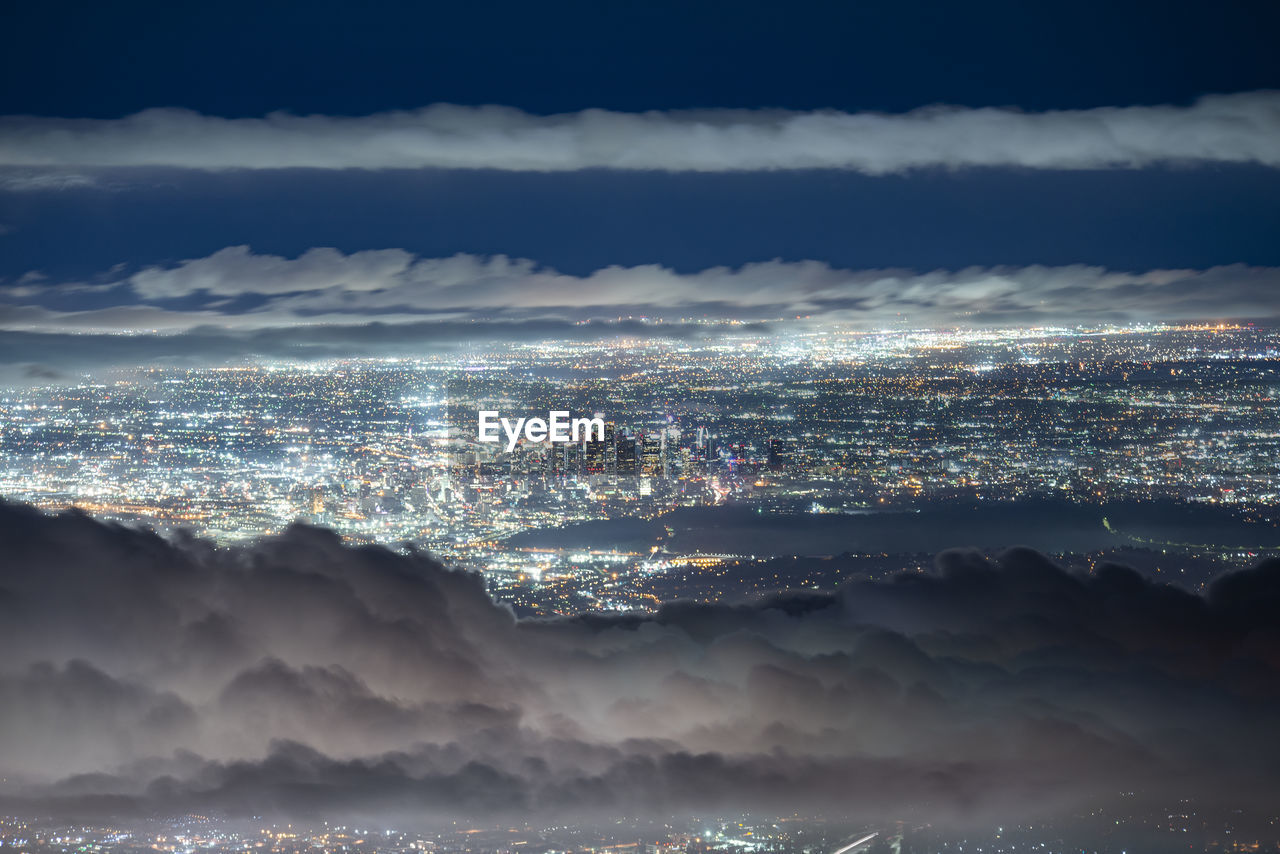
[
  {"x": 1234, "y": 128},
  {"x": 37, "y": 181}
]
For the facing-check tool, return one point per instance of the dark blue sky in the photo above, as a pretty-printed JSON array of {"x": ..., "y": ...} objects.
[
  {"x": 246, "y": 58},
  {"x": 579, "y": 222}
]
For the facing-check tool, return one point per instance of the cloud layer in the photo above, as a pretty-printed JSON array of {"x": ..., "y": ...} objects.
[
  {"x": 1236, "y": 128},
  {"x": 239, "y": 290},
  {"x": 301, "y": 676}
]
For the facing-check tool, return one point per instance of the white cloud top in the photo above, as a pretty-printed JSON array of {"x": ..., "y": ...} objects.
[{"x": 1236, "y": 128}]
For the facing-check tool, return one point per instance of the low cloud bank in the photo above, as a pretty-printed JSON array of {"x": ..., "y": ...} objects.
[
  {"x": 299, "y": 676},
  {"x": 239, "y": 302}
]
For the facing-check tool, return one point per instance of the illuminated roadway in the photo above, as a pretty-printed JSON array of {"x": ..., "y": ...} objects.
[{"x": 857, "y": 843}]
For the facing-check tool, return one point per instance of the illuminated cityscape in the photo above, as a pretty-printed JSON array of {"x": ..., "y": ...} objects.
[
  {"x": 678, "y": 427},
  {"x": 1148, "y": 830},
  {"x": 820, "y": 424}
]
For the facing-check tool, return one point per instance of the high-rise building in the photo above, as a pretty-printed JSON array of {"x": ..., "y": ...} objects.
[
  {"x": 626, "y": 455},
  {"x": 601, "y": 457},
  {"x": 651, "y": 455},
  {"x": 779, "y": 454}
]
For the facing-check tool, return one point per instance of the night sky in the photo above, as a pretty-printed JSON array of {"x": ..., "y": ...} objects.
[{"x": 840, "y": 143}]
